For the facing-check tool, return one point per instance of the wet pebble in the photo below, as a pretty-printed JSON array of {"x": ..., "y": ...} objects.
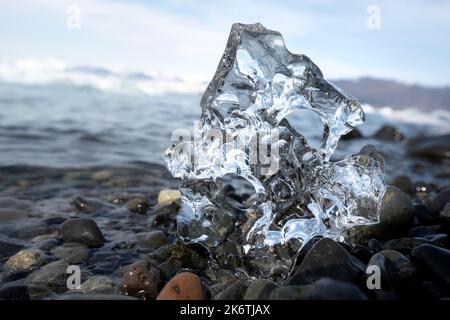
[
  {"x": 192, "y": 256},
  {"x": 52, "y": 275},
  {"x": 91, "y": 205},
  {"x": 138, "y": 205},
  {"x": 354, "y": 134},
  {"x": 425, "y": 215},
  {"x": 362, "y": 253},
  {"x": 83, "y": 231},
  {"x": 164, "y": 213},
  {"x": 168, "y": 196},
  {"x": 421, "y": 231},
  {"x": 374, "y": 245},
  {"x": 184, "y": 286},
  {"x": 435, "y": 258},
  {"x": 169, "y": 268},
  {"x": 47, "y": 245},
  {"x": 389, "y": 133},
  {"x": 40, "y": 292},
  {"x": 396, "y": 273},
  {"x": 152, "y": 239},
  {"x": 98, "y": 285},
  {"x": 106, "y": 262},
  {"x": 141, "y": 280},
  {"x": 404, "y": 183},
  {"x": 101, "y": 175},
  {"x": 327, "y": 259},
  {"x": 72, "y": 252},
  {"x": 403, "y": 245},
  {"x": 441, "y": 200}
]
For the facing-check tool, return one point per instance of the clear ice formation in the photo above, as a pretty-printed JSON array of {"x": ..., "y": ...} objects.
[{"x": 253, "y": 190}]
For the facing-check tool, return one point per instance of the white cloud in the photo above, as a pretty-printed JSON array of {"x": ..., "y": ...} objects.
[{"x": 188, "y": 37}]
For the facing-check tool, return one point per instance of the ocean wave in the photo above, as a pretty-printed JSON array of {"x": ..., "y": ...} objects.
[
  {"x": 436, "y": 120},
  {"x": 109, "y": 79},
  {"x": 54, "y": 75}
]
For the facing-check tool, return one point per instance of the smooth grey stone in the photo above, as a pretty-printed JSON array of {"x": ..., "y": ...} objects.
[
  {"x": 52, "y": 275},
  {"x": 83, "y": 231},
  {"x": 327, "y": 259},
  {"x": 72, "y": 252},
  {"x": 436, "y": 258}
]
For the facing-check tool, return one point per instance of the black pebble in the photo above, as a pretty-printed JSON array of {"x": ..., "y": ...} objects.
[{"x": 83, "y": 231}]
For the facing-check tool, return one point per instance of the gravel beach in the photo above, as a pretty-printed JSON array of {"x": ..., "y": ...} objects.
[{"x": 118, "y": 225}]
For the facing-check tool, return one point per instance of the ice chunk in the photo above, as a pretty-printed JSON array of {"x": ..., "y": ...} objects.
[{"x": 252, "y": 185}]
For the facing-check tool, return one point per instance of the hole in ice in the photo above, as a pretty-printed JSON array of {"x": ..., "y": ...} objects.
[{"x": 309, "y": 124}]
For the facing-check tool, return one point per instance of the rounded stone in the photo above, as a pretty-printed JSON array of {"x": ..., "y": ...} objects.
[
  {"x": 52, "y": 275},
  {"x": 72, "y": 252},
  {"x": 435, "y": 258},
  {"x": 98, "y": 285},
  {"x": 327, "y": 259},
  {"x": 396, "y": 270},
  {"x": 354, "y": 134},
  {"x": 138, "y": 205},
  {"x": 168, "y": 196},
  {"x": 24, "y": 261},
  {"x": 101, "y": 175},
  {"x": 441, "y": 200},
  {"x": 404, "y": 183},
  {"x": 83, "y": 231},
  {"x": 152, "y": 239},
  {"x": 389, "y": 133},
  {"x": 140, "y": 280},
  {"x": 184, "y": 286}
]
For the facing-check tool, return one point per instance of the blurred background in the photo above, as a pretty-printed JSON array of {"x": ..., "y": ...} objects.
[{"x": 105, "y": 82}]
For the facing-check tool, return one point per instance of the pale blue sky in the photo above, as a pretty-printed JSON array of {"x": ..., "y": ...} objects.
[{"x": 188, "y": 37}]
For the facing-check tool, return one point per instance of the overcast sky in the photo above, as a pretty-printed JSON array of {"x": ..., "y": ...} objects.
[{"x": 187, "y": 38}]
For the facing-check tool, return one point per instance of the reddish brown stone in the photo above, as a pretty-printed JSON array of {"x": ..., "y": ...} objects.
[
  {"x": 184, "y": 286},
  {"x": 141, "y": 280}
]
